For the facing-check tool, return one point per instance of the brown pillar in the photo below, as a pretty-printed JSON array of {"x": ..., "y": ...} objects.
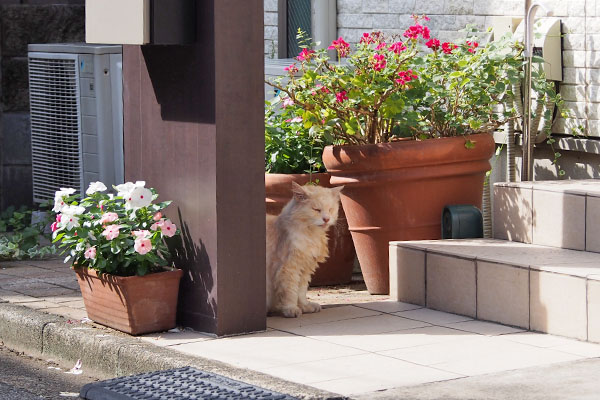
[{"x": 193, "y": 127}]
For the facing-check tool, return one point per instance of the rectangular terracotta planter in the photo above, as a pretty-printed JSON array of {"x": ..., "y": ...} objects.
[{"x": 133, "y": 304}]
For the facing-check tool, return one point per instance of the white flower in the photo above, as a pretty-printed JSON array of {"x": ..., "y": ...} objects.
[
  {"x": 95, "y": 187},
  {"x": 69, "y": 218},
  {"x": 59, "y": 198},
  {"x": 125, "y": 189},
  {"x": 139, "y": 197}
]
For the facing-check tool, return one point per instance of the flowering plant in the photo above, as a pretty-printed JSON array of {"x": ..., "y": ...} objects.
[
  {"x": 120, "y": 234},
  {"x": 409, "y": 86},
  {"x": 290, "y": 148}
]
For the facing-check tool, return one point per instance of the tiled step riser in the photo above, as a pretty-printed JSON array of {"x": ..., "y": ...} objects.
[
  {"x": 542, "y": 214},
  {"x": 509, "y": 294}
]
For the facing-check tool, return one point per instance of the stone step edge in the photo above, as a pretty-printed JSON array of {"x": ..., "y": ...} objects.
[
  {"x": 109, "y": 354},
  {"x": 412, "y": 281}
]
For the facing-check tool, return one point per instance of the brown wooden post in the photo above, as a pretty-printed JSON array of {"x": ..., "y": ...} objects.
[{"x": 193, "y": 129}]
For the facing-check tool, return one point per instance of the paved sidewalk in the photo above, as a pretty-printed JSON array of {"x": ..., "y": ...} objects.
[{"x": 358, "y": 345}]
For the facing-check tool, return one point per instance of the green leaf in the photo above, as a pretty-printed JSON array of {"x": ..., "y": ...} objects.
[{"x": 469, "y": 144}]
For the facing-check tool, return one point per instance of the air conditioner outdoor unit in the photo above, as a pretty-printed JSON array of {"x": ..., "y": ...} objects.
[{"x": 76, "y": 104}]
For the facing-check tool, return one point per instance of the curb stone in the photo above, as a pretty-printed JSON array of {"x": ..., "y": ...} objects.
[{"x": 109, "y": 355}]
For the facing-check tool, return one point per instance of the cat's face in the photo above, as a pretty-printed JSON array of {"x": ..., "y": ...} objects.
[{"x": 317, "y": 205}]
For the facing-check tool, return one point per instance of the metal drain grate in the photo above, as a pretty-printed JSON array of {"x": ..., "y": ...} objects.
[{"x": 182, "y": 383}]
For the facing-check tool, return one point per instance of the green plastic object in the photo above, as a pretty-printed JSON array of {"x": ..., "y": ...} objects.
[{"x": 462, "y": 222}]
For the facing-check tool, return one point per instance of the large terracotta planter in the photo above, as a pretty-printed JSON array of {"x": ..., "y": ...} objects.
[
  {"x": 133, "y": 304},
  {"x": 397, "y": 191},
  {"x": 338, "y": 267}
]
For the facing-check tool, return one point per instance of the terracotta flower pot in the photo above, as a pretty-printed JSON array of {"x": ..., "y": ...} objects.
[
  {"x": 133, "y": 304},
  {"x": 338, "y": 267},
  {"x": 397, "y": 191}
]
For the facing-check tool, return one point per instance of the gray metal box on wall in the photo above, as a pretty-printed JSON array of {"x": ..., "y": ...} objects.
[{"x": 76, "y": 105}]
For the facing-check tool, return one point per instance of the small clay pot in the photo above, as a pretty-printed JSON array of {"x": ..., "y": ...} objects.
[{"x": 132, "y": 304}]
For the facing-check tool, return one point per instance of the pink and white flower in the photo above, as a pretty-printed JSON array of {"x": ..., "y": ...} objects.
[
  {"x": 141, "y": 233},
  {"x": 90, "y": 253},
  {"x": 111, "y": 232},
  {"x": 157, "y": 216},
  {"x": 142, "y": 245},
  {"x": 168, "y": 228},
  {"x": 109, "y": 217}
]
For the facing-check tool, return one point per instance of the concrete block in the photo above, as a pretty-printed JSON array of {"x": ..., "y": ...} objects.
[
  {"x": 451, "y": 284},
  {"x": 375, "y": 6},
  {"x": 406, "y": 7},
  {"x": 593, "y": 308},
  {"x": 14, "y": 88},
  {"x": 459, "y": 7},
  {"x": 386, "y": 21},
  {"x": 349, "y": 6},
  {"x": 270, "y": 5},
  {"x": 567, "y": 229},
  {"x": 513, "y": 214},
  {"x": 19, "y": 180},
  {"x": 99, "y": 354},
  {"x": 558, "y": 304},
  {"x": 503, "y": 294},
  {"x": 40, "y": 24},
  {"x": 407, "y": 275},
  {"x": 363, "y": 21},
  {"x": 21, "y": 328},
  {"x": 16, "y": 139}
]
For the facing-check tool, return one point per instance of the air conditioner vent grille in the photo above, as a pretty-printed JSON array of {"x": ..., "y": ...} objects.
[{"x": 55, "y": 137}]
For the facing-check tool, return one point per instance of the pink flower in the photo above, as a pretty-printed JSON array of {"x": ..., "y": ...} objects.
[
  {"x": 414, "y": 31},
  {"x": 379, "y": 62},
  {"x": 366, "y": 38},
  {"x": 397, "y": 47},
  {"x": 380, "y": 46},
  {"x": 447, "y": 47},
  {"x": 111, "y": 232},
  {"x": 168, "y": 228},
  {"x": 292, "y": 69},
  {"x": 141, "y": 233},
  {"x": 157, "y": 216},
  {"x": 305, "y": 55},
  {"x": 341, "y": 46},
  {"x": 54, "y": 226},
  {"x": 295, "y": 119},
  {"x": 433, "y": 44},
  {"x": 405, "y": 76},
  {"x": 58, "y": 217},
  {"x": 341, "y": 96},
  {"x": 156, "y": 226},
  {"x": 90, "y": 253},
  {"x": 472, "y": 46},
  {"x": 425, "y": 33},
  {"x": 142, "y": 245},
  {"x": 322, "y": 88},
  {"x": 109, "y": 217},
  {"x": 286, "y": 102}
]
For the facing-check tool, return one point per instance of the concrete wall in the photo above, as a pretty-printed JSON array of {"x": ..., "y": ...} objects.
[
  {"x": 23, "y": 22},
  {"x": 581, "y": 42}
]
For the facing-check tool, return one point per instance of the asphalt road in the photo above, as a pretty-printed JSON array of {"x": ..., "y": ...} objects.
[{"x": 26, "y": 378}]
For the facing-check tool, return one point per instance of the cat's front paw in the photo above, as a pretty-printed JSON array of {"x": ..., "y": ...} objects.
[
  {"x": 310, "y": 307},
  {"x": 291, "y": 312}
]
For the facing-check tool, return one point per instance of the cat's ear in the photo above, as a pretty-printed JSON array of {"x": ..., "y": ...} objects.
[
  {"x": 298, "y": 192},
  {"x": 337, "y": 190}
]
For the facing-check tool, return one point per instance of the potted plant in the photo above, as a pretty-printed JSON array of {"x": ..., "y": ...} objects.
[
  {"x": 116, "y": 244},
  {"x": 293, "y": 154},
  {"x": 411, "y": 121}
]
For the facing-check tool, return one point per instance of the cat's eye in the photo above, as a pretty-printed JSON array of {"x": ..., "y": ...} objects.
[{"x": 317, "y": 209}]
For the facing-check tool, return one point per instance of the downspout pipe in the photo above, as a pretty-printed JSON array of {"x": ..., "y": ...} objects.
[{"x": 531, "y": 9}]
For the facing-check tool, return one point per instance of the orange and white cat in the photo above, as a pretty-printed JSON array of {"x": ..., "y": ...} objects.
[{"x": 296, "y": 243}]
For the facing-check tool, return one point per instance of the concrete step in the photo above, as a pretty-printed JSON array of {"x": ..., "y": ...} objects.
[
  {"x": 564, "y": 214},
  {"x": 539, "y": 288}
]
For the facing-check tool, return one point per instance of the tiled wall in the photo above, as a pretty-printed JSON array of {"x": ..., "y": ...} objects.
[{"x": 580, "y": 25}]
